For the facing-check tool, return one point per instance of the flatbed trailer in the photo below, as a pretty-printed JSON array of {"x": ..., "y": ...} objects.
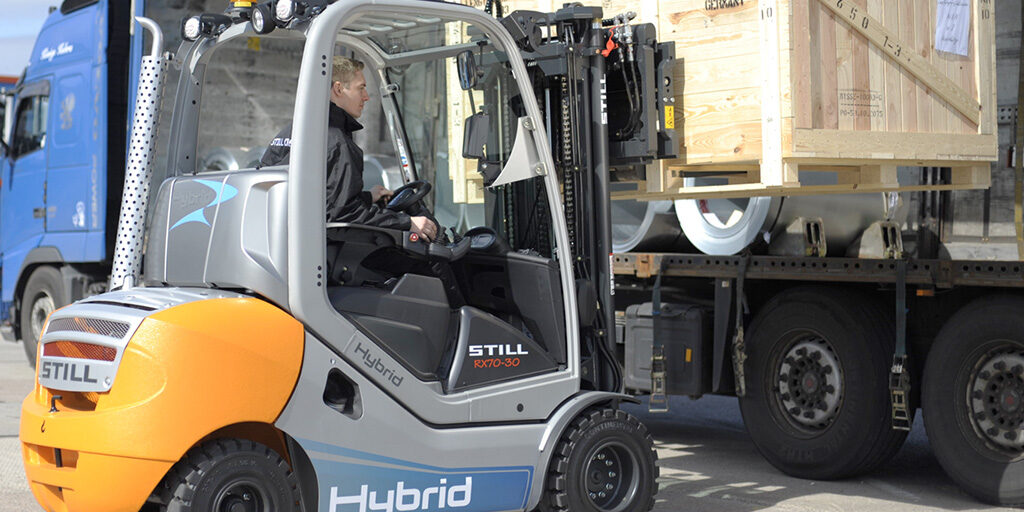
[{"x": 832, "y": 357}]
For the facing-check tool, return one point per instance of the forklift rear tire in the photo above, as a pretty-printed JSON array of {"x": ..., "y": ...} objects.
[
  {"x": 604, "y": 462},
  {"x": 817, "y": 404},
  {"x": 44, "y": 293},
  {"x": 229, "y": 475},
  {"x": 973, "y": 399}
]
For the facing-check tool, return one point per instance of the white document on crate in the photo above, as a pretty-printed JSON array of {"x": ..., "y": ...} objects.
[{"x": 952, "y": 26}]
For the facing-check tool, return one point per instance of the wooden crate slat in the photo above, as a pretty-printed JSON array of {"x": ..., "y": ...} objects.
[{"x": 896, "y": 49}]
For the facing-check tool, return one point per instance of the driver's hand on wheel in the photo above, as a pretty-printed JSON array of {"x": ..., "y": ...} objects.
[
  {"x": 424, "y": 227},
  {"x": 378, "y": 192}
]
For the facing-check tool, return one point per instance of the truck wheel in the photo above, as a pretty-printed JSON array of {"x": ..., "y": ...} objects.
[
  {"x": 973, "y": 399},
  {"x": 603, "y": 463},
  {"x": 817, "y": 402},
  {"x": 44, "y": 293},
  {"x": 228, "y": 475}
]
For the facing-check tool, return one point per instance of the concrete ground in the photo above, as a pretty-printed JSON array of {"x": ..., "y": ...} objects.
[{"x": 708, "y": 463}]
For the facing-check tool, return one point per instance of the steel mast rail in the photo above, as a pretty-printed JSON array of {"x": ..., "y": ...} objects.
[{"x": 929, "y": 272}]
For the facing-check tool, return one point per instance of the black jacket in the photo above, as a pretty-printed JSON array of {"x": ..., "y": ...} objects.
[{"x": 346, "y": 199}]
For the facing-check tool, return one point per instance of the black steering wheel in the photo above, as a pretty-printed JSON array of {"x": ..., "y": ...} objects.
[{"x": 409, "y": 194}]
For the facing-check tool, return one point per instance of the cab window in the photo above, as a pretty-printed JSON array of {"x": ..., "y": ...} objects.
[{"x": 30, "y": 126}]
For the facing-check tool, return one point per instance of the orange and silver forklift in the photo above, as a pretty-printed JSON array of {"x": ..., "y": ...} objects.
[{"x": 263, "y": 360}]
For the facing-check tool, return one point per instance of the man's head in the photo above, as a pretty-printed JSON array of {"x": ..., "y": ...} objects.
[{"x": 348, "y": 86}]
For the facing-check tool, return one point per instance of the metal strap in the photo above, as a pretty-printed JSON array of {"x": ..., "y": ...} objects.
[
  {"x": 659, "y": 392},
  {"x": 739, "y": 353},
  {"x": 899, "y": 377}
]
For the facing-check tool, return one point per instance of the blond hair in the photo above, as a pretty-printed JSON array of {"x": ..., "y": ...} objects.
[{"x": 345, "y": 70}]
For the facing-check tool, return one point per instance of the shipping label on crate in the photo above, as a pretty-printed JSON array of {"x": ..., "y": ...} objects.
[{"x": 861, "y": 104}]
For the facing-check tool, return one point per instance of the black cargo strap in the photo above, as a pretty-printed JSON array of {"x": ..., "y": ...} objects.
[
  {"x": 739, "y": 346},
  {"x": 659, "y": 396},
  {"x": 899, "y": 376}
]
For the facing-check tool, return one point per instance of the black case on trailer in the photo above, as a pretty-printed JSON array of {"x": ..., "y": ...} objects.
[{"x": 685, "y": 333}]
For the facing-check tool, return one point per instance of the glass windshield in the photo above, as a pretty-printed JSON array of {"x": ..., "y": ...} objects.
[{"x": 423, "y": 72}]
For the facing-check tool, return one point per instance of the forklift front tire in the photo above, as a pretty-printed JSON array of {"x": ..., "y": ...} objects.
[
  {"x": 605, "y": 462},
  {"x": 231, "y": 474}
]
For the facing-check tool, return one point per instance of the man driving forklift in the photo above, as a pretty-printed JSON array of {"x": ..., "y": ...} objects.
[{"x": 346, "y": 199}]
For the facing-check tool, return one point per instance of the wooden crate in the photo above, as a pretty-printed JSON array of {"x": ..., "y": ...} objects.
[{"x": 770, "y": 88}]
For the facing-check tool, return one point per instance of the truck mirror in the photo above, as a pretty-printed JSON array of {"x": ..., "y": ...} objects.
[{"x": 467, "y": 70}]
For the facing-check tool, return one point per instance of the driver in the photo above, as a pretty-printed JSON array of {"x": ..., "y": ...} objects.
[{"x": 346, "y": 199}]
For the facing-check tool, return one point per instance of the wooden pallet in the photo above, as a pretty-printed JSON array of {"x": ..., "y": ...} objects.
[{"x": 840, "y": 176}]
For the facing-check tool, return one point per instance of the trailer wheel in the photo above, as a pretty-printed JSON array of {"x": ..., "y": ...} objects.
[
  {"x": 817, "y": 401},
  {"x": 973, "y": 399},
  {"x": 228, "y": 475},
  {"x": 603, "y": 463},
  {"x": 44, "y": 293}
]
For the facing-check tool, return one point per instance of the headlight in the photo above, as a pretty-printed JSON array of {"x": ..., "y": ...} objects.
[
  {"x": 190, "y": 28},
  {"x": 284, "y": 10},
  {"x": 261, "y": 21}
]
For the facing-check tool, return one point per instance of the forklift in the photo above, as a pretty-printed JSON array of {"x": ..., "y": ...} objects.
[{"x": 263, "y": 360}]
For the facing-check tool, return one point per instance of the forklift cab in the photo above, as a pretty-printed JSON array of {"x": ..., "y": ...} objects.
[{"x": 461, "y": 115}]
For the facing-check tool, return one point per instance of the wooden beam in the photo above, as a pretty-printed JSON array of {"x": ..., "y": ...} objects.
[{"x": 857, "y": 18}]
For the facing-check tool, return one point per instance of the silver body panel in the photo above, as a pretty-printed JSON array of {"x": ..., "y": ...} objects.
[
  {"x": 224, "y": 229},
  {"x": 388, "y": 444}
]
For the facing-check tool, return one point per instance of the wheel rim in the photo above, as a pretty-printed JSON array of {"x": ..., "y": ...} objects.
[
  {"x": 242, "y": 495},
  {"x": 41, "y": 309},
  {"x": 996, "y": 398},
  {"x": 611, "y": 478},
  {"x": 809, "y": 383}
]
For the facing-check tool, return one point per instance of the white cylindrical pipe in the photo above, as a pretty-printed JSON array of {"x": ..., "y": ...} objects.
[
  {"x": 645, "y": 226},
  {"x": 727, "y": 226}
]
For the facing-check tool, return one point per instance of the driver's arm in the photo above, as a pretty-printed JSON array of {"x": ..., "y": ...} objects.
[{"x": 345, "y": 196}]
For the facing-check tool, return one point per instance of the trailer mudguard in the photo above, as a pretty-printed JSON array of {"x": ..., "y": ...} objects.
[{"x": 188, "y": 371}]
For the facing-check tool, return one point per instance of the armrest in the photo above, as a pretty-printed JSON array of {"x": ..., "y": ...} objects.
[{"x": 396, "y": 235}]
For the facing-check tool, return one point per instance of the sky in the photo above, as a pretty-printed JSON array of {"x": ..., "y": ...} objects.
[{"x": 19, "y": 24}]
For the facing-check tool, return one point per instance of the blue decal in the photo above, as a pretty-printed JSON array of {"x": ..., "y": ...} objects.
[
  {"x": 224, "y": 193},
  {"x": 354, "y": 481}
]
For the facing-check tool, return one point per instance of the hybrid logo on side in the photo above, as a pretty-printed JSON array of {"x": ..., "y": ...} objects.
[
  {"x": 374, "y": 362},
  {"x": 402, "y": 499}
]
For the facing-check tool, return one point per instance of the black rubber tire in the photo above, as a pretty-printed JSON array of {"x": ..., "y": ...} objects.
[
  {"x": 984, "y": 327},
  {"x": 856, "y": 436},
  {"x": 44, "y": 293},
  {"x": 596, "y": 432},
  {"x": 217, "y": 471}
]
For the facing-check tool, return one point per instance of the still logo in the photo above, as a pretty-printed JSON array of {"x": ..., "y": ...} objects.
[{"x": 497, "y": 350}]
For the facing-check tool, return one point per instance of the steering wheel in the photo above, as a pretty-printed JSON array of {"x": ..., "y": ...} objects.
[{"x": 409, "y": 194}]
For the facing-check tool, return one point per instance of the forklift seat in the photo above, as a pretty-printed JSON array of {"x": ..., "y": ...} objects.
[{"x": 411, "y": 320}]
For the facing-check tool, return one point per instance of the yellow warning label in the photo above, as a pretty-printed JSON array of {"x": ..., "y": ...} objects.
[{"x": 670, "y": 117}]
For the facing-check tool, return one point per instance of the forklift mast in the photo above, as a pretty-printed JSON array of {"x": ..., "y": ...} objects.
[{"x": 605, "y": 92}]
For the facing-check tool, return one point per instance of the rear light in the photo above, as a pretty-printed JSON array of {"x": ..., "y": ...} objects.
[{"x": 79, "y": 350}]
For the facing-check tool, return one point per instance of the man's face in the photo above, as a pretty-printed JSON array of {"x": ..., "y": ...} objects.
[{"x": 351, "y": 97}]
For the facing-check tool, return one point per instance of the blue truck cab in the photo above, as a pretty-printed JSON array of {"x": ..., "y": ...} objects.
[{"x": 62, "y": 168}]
